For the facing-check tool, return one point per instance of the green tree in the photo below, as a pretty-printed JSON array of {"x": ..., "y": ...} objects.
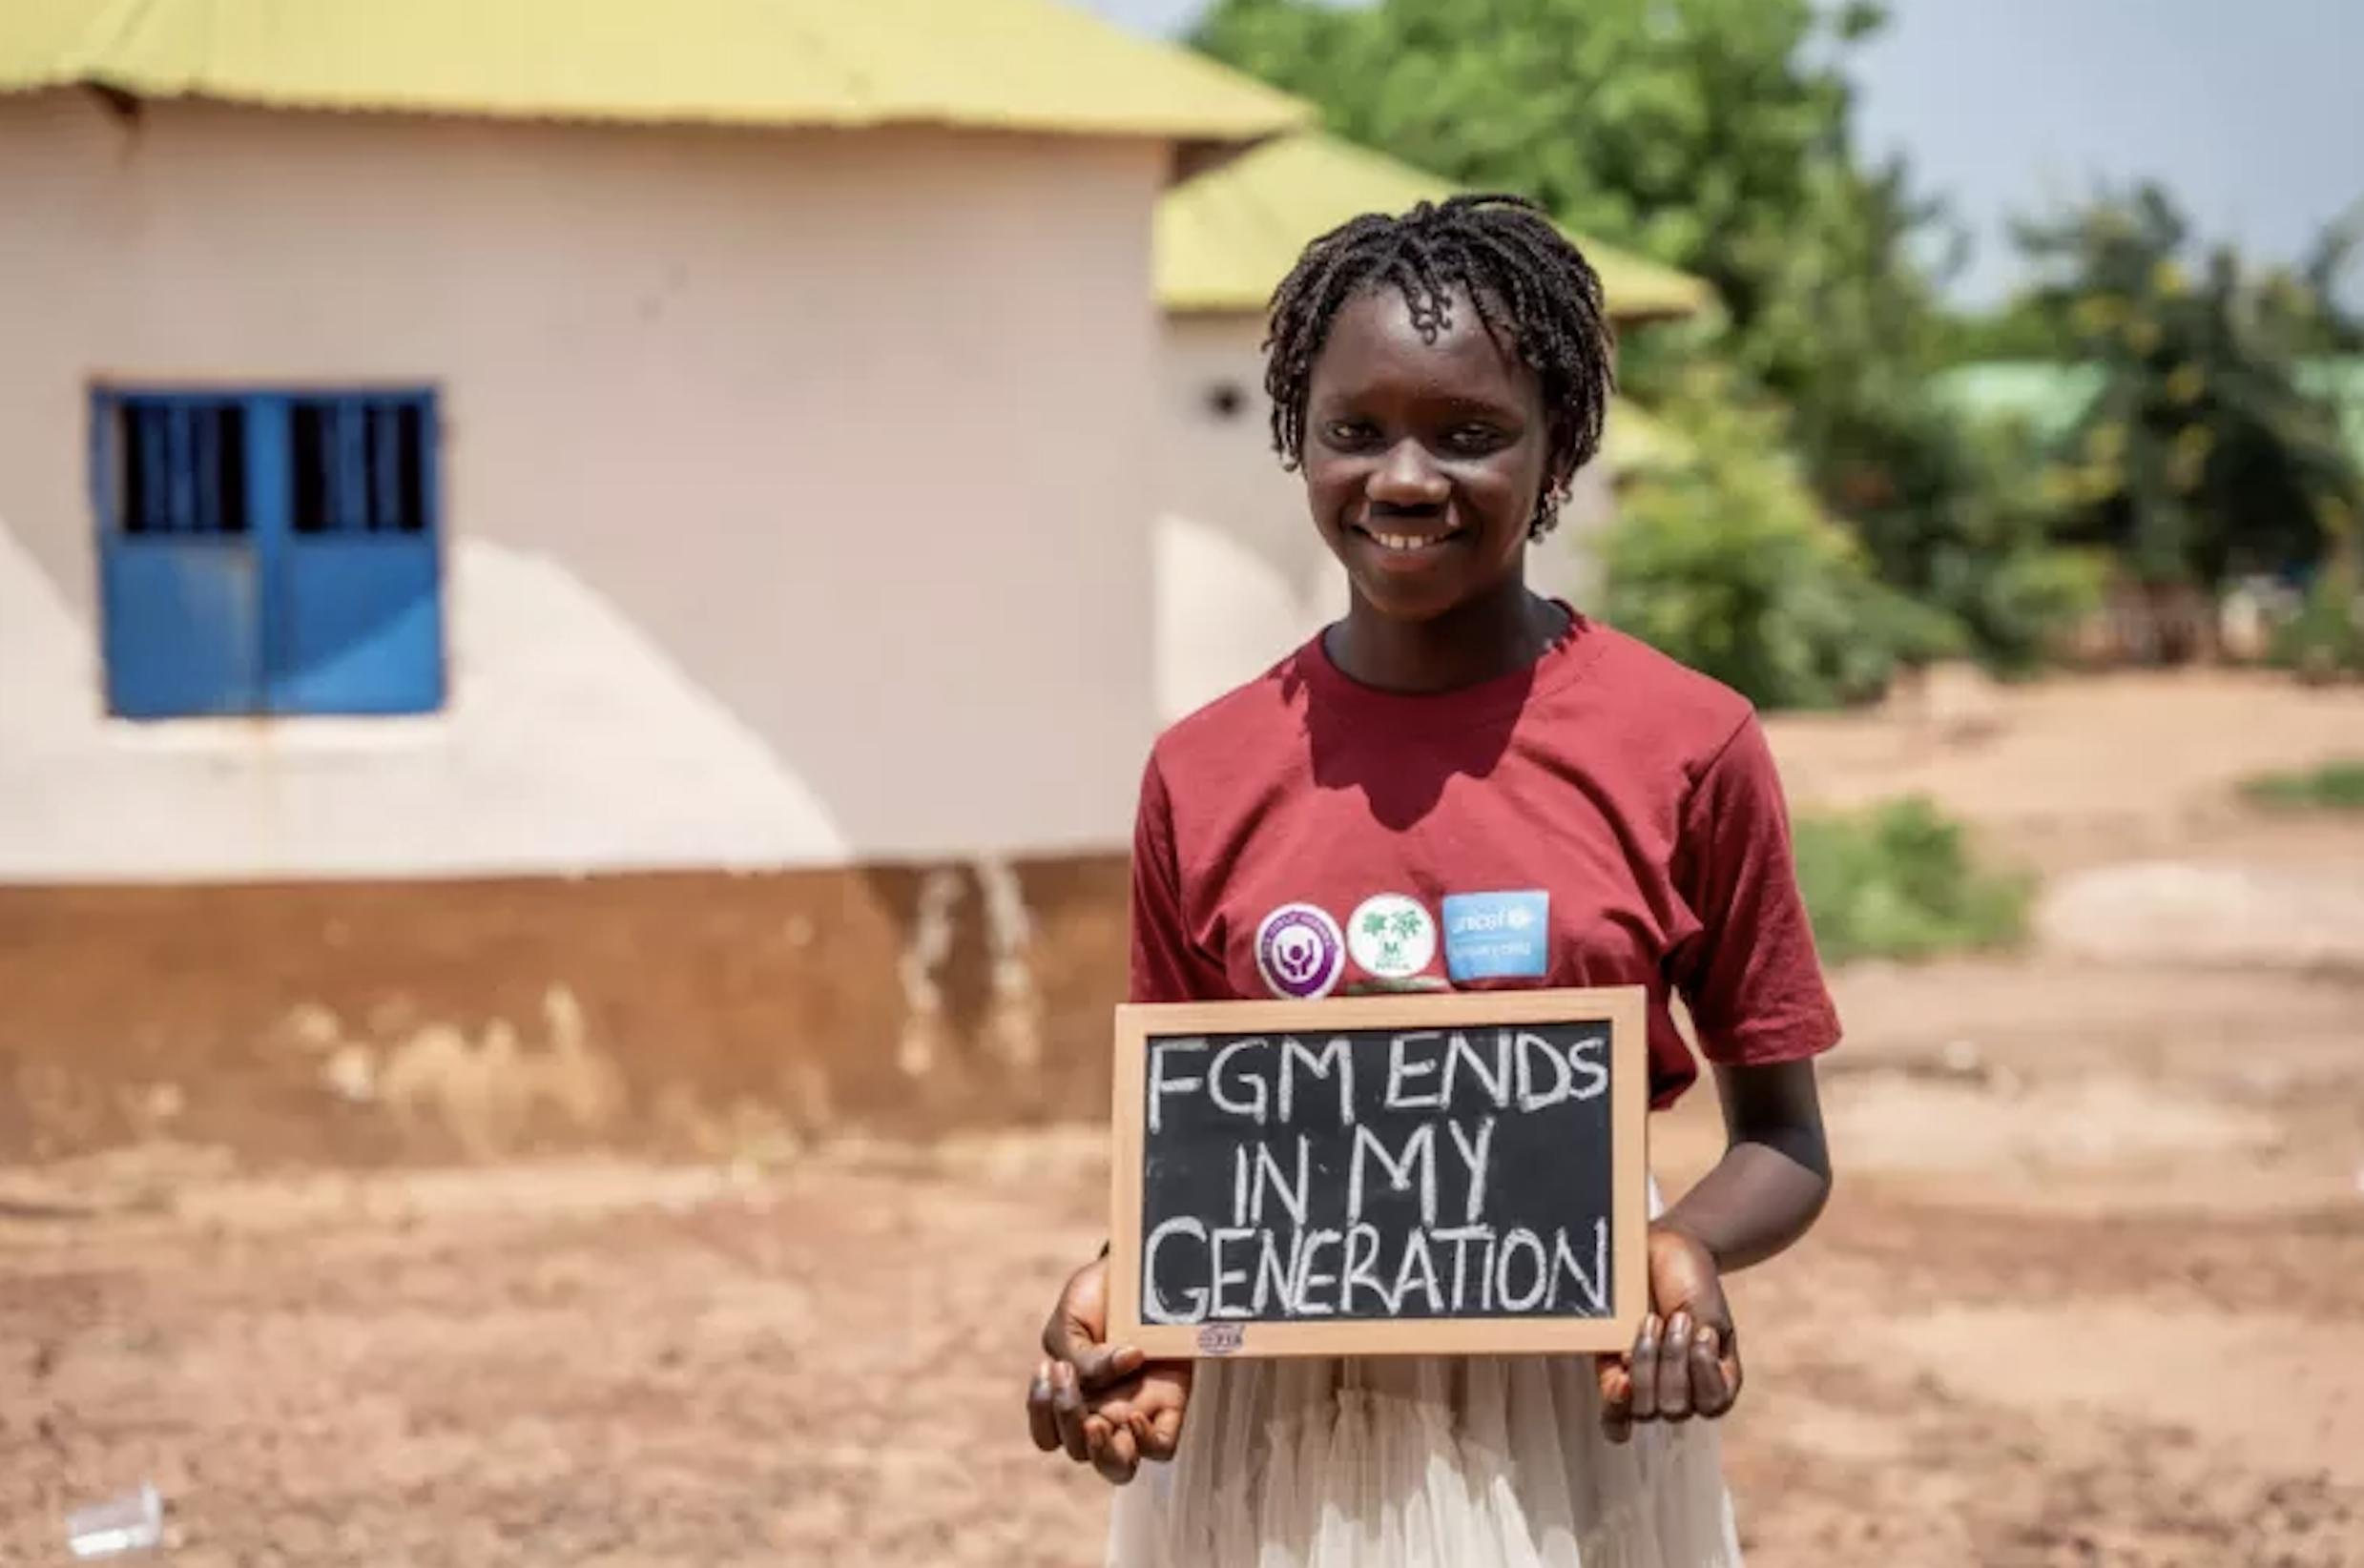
[
  {"x": 1957, "y": 517},
  {"x": 1724, "y": 559},
  {"x": 1717, "y": 137},
  {"x": 1712, "y": 134},
  {"x": 2204, "y": 456},
  {"x": 2308, "y": 298},
  {"x": 2019, "y": 328}
]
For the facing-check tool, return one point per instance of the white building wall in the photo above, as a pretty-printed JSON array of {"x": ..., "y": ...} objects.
[{"x": 793, "y": 483}]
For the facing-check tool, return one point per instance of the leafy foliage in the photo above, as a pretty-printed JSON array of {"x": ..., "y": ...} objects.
[
  {"x": 2325, "y": 640},
  {"x": 2204, "y": 456},
  {"x": 2333, "y": 787},
  {"x": 1900, "y": 882},
  {"x": 1724, "y": 560},
  {"x": 2016, "y": 329},
  {"x": 1957, "y": 519},
  {"x": 1711, "y": 135},
  {"x": 1716, "y": 135}
]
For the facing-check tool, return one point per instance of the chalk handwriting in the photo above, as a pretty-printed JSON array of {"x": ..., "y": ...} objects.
[{"x": 1370, "y": 1181}]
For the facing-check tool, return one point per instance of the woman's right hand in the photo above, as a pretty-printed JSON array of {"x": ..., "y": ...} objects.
[{"x": 1106, "y": 1405}]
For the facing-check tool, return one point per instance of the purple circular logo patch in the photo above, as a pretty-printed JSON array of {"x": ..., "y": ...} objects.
[{"x": 1300, "y": 952}]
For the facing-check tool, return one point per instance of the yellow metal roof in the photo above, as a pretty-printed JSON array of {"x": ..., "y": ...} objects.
[
  {"x": 1227, "y": 239},
  {"x": 1017, "y": 65}
]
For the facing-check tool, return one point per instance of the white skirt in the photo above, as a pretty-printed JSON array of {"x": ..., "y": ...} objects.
[{"x": 1419, "y": 1462}]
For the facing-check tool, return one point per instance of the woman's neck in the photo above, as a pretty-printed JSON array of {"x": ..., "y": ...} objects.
[{"x": 1494, "y": 635}]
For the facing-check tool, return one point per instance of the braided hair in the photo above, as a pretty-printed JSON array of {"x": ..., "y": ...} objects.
[{"x": 1529, "y": 284}]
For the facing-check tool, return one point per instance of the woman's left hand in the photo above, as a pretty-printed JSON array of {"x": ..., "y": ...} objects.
[{"x": 1686, "y": 1359}]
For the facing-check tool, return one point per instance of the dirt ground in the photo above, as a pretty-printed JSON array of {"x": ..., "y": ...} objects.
[{"x": 2092, "y": 1291}]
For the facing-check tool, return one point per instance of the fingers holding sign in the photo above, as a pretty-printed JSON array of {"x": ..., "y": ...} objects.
[
  {"x": 1685, "y": 1359},
  {"x": 1113, "y": 1421},
  {"x": 1086, "y": 1416},
  {"x": 1102, "y": 1405}
]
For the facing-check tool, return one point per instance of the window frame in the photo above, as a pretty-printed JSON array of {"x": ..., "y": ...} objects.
[{"x": 265, "y": 596}]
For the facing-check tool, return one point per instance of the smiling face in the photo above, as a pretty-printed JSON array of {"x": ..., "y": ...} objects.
[{"x": 1423, "y": 460}]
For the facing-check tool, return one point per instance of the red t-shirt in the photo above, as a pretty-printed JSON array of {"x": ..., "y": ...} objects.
[{"x": 1604, "y": 817}]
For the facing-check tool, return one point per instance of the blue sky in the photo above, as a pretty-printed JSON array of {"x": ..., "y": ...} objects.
[{"x": 2250, "y": 111}]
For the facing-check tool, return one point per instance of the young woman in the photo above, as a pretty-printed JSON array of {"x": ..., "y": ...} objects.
[{"x": 1461, "y": 748}]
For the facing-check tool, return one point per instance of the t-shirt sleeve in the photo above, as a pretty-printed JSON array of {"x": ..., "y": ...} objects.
[
  {"x": 1166, "y": 965},
  {"x": 1751, "y": 977}
]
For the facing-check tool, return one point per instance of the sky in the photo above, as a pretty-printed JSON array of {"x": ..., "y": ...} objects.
[{"x": 2247, "y": 109}]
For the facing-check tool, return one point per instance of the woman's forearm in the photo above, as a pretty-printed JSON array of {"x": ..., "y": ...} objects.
[
  {"x": 1774, "y": 1178},
  {"x": 1755, "y": 1204}
]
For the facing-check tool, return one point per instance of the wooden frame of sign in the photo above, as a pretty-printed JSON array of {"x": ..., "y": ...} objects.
[{"x": 1457, "y": 1174}]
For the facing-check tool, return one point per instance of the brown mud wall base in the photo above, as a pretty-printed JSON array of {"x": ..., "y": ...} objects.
[{"x": 713, "y": 1016}]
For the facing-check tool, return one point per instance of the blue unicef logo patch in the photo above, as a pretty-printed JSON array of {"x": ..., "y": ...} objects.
[{"x": 1496, "y": 935}]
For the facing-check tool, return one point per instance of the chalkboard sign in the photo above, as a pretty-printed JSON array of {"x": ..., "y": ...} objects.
[{"x": 1442, "y": 1173}]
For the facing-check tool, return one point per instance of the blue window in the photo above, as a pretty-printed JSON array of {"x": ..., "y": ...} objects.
[{"x": 267, "y": 553}]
